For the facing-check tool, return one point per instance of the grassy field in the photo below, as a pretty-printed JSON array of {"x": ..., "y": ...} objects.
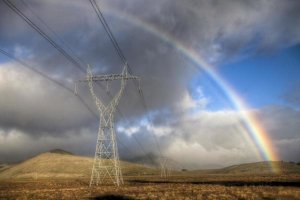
[
  {"x": 179, "y": 187},
  {"x": 66, "y": 176}
]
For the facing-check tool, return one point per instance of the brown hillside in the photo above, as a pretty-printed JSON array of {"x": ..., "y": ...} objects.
[
  {"x": 258, "y": 168},
  {"x": 3, "y": 167},
  {"x": 57, "y": 165}
]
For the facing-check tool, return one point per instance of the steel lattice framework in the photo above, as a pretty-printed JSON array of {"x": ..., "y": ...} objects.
[{"x": 106, "y": 167}]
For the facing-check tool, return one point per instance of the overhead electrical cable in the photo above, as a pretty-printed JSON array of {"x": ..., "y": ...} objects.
[
  {"x": 28, "y": 6},
  {"x": 43, "y": 34},
  {"x": 48, "y": 78},
  {"x": 63, "y": 86},
  {"x": 71, "y": 58},
  {"x": 125, "y": 62}
]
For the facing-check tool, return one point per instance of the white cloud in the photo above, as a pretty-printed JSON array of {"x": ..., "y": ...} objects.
[
  {"x": 159, "y": 131},
  {"x": 187, "y": 102},
  {"x": 193, "y": 155},
  {"x": 129, "y": 131},
  {"x": 33, "y": 104},
  {"x": 201, "y": 139},
  {"x": 217, "y": 135}
]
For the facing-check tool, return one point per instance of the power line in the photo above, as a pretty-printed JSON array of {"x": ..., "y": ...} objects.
[
  {"x": 48, "y": 78},
  {"x": 55, "y": 82},
  {"x": 54, "y": 33},
  {"x": 124, "y": 60},
  {"x": 108, "y": 31},
  {"x": 46, "y": 36},
  {"x": 111, "y": 35},
  {"x": 55, "y": 45},
  {"x": 43, "y": 34},
  {"x": 136, "y": 140},
  {"x": 61, "y": 50},
  {"x": 63, "y": 86}
]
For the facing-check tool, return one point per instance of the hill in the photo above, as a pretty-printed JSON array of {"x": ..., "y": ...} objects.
[
  {"x": 266, "y": 167},
  {"x": 60, "y": 151},
  {"x": 3, "y": 166},
  {"x": 63, "y": 165}
]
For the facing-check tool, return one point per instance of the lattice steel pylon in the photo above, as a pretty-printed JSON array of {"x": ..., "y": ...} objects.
[
  {"x": 106, "y": 166},
  {"x": 167, "y": 166},
  {"x": 164, "y": 171}
]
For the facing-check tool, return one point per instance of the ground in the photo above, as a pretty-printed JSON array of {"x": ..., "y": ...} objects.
[{"x": 208, "y": 186}]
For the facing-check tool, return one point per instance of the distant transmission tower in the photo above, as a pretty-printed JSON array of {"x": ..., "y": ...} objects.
[
  {"x": 167, "y": 165},
  {"x": 106, "y": 165},
  {"x": 163, "y": 167}
]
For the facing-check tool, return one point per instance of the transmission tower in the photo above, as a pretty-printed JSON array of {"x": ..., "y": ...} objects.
[
  {"x": 163, "y": 167},
  {"x": 106, "y": 166},
  {"x": 167, "y": 166}
]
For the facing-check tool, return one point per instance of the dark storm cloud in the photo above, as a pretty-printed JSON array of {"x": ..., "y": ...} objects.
[
  {"x": 225, "y": 28},
  {"x": 16, "y": 146},
  {"x": 35, "y": 107},
  {"x": 282, "y": 123}
]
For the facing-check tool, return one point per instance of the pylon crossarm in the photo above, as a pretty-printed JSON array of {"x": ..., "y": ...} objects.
[
  {"x": 114, "y": 102},
  {"x": 110, "y": 77}
]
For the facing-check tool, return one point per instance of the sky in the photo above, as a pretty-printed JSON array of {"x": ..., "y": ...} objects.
[{"x": 253, "y": 46}]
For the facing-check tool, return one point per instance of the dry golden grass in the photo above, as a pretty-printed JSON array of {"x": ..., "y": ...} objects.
[
  {"x": 53, "y": 165},
  {"x": 204, "y": 187},
  {"x": 64, "y": 176}
]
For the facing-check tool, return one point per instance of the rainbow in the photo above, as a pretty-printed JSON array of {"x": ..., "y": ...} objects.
[{"x": 256, "y": 131}]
